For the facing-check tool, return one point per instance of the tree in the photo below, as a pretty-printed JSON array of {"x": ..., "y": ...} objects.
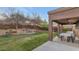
[
  {"x": 15, "y": 17},
  {"x": 37, "y": 18}
]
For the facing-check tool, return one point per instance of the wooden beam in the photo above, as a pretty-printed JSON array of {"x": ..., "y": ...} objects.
[{"x": 50, "y": 30}]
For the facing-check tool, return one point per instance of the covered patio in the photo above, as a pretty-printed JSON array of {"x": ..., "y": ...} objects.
[{"x": 63, "y": 16}]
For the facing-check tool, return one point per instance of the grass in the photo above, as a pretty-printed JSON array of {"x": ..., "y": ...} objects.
[
  {"x": 36, "y": 41},
  {"x": 23, "y": 42},
  {"x": 55, "y": 34}
]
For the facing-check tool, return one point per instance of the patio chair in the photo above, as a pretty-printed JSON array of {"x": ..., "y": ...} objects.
[
  {"x": 73, "y": 38},
  {"x": 62, "y": 37},
  {"x": 68, "y": 39}
]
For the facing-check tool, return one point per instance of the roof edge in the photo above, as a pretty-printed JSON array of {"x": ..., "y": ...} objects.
[{"x": 60, "y": 10}]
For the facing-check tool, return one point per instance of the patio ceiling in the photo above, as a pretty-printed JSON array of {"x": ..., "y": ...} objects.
[{"x": 67, "y": 21}]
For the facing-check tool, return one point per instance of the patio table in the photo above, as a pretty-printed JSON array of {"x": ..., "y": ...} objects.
[{"x": 67, "y": 35}]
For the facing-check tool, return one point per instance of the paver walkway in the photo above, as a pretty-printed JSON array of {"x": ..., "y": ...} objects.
[{"x": 54, "y": 46}]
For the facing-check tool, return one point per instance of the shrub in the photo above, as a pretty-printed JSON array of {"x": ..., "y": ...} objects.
[{"x": 65, "y": 29}]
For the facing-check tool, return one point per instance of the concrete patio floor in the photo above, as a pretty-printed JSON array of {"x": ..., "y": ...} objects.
[{"x": 54, "y": 46}]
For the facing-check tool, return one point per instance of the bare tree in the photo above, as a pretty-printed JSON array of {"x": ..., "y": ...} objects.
[
  {"x": 15, "y": 16},
  {"x": 10, "y": 13}
]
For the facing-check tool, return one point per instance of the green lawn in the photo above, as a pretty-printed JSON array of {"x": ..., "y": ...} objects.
[{"x": 22, "y": 42}]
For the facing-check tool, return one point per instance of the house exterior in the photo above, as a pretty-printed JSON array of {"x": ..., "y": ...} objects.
[{"x": 64, "y": 16}]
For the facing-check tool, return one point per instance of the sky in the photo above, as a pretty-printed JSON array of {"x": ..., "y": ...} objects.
[{"x": 42, "y": 11}]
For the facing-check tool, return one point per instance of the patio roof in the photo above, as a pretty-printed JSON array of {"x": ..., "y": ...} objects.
[
  {"x": 60, "y": 10},
  {"x": 65, "y": 15}
]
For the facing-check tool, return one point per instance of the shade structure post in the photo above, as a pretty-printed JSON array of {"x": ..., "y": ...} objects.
[
  {"x": 58, "y": 29},
  {"x": 50, "y": 29},
  {"x": 61, "y": 28}
]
